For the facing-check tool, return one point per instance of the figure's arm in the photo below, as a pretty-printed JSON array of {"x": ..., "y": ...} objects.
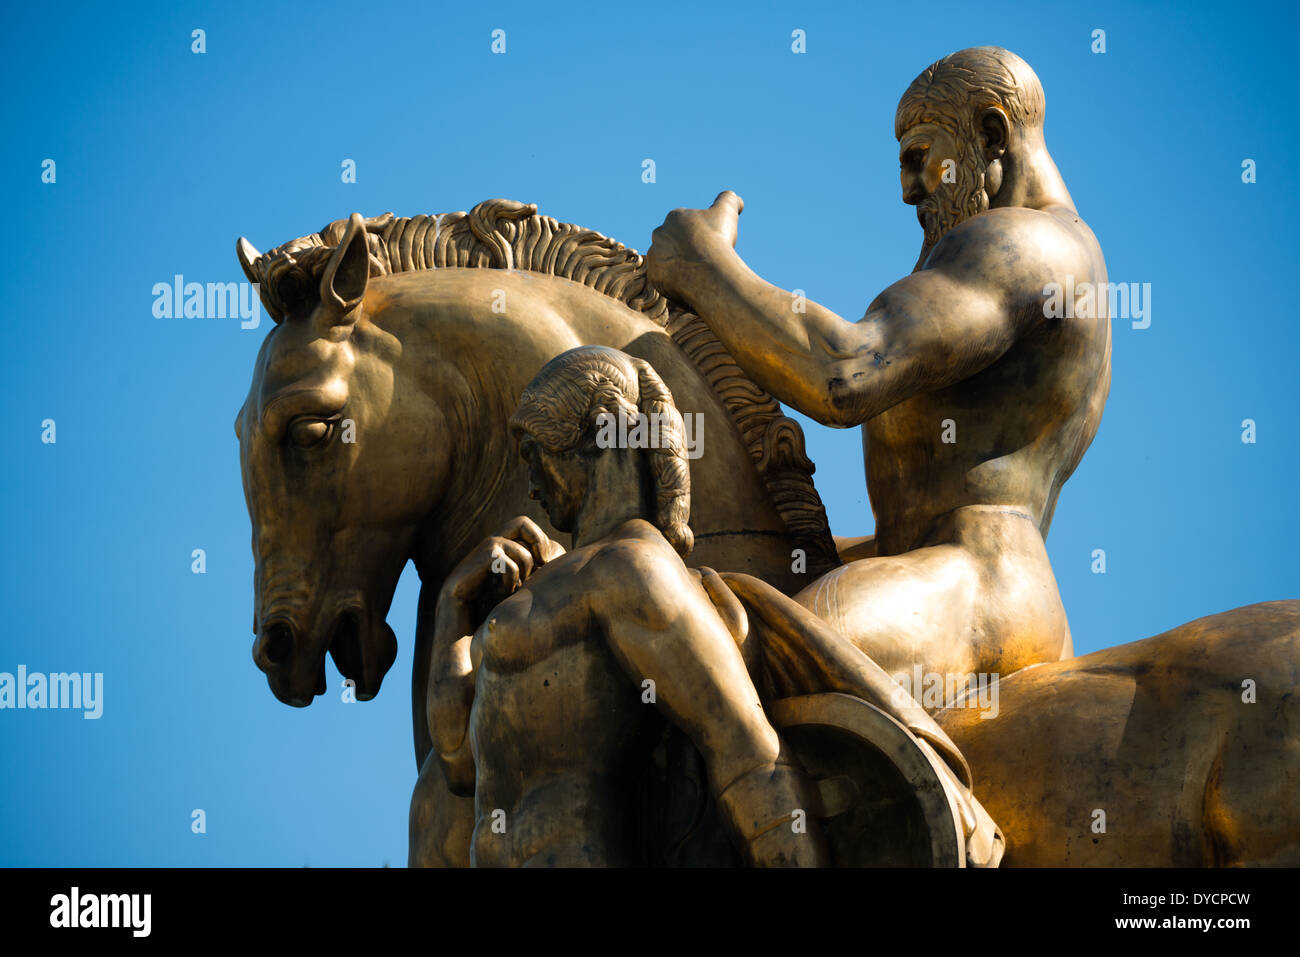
[
  {"x": 493, "y": 570},
  {"x": 660, "y": 624},
  {"x": 451, "y": 691},
  {"x": 931, "y": 329}
]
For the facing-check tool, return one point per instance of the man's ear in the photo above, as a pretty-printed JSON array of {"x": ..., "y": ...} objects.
[
  {"x": 344, "y": 282},
  {"x": 995, "y": 132}
]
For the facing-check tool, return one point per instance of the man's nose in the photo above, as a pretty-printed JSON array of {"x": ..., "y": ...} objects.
[{"x": 913, "y": 188}]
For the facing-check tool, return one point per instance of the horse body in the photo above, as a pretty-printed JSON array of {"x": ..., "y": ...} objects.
[{"x": 1182, "y": 749}]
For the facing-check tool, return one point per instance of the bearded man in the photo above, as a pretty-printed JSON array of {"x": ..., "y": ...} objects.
[{"x": 975, "y": 406}]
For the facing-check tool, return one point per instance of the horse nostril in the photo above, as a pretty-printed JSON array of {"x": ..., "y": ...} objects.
[
  {"x": 349, "y": 627},
  {"x": 279, "y": 643},
  {"x": 345, "y": 645}
]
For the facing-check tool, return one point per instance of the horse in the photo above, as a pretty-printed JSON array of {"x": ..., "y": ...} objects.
[{"x": 374, "y": 432}]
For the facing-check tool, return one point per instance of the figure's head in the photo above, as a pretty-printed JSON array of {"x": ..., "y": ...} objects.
[
  {"x": 562, "y": 413},
  {"x": 337, "y": 472},
  {"x": 960, "y": 125}
]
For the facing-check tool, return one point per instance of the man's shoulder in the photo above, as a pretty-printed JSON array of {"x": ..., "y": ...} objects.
[
  {"x": 635, "y": 548},
  {"x": 636, "y": 575},
  {"x": 1017, "y": 242},
  {"x": 1022, "y": 225}
]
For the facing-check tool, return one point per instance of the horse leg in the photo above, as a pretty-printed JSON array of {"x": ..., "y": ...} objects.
[{"x": 441, "y": 823}]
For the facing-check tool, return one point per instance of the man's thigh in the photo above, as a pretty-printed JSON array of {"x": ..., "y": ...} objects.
[
  {"x": 988, "y": 605},
  {"x": 901, "y": 610}
]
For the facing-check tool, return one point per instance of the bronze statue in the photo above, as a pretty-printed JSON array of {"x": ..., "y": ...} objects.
[
  {"x": 414, "y": 338},
  {"x": 976, "y": 406},
  {"x": 539, "y": 705},
  {"x": 956, "y": 577},
  {"x": 376, "y": 430}
]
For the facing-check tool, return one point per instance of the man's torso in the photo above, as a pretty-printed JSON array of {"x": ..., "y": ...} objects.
[{"x": 1012, "y": 433}]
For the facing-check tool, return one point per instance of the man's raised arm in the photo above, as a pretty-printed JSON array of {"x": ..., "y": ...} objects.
[{"x": 935, "y": 327}]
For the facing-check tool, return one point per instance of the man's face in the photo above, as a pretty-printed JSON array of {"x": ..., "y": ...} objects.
[
  {"x": 943, "y": 178},
  {"x": 921, "y": 155},
  {"x": 558, "y": 482}
]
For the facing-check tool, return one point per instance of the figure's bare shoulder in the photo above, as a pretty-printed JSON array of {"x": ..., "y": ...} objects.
[
  {"x": 640, "y": 571},
  {"x": 1018, "y": 249},
  {"x": 636, "y": 549}
]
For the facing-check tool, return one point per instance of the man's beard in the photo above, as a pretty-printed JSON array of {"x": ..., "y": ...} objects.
[{"x": 951, "y": 204}]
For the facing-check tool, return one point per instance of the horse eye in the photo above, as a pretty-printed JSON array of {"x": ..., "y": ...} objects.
[{"x": 309, "y": 432}]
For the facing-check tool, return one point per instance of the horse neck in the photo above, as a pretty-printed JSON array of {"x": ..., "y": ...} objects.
[
  {"x": 476, "y": 398},
  {"x": 476, "y": 395}
]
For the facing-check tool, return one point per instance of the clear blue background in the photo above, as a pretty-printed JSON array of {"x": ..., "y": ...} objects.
[{"x": 164, "y": 157}]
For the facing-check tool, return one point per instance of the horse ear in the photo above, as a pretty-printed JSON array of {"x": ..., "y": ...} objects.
[
  {"x": 344, "y": 282},
  {"x": 247, "y": 256}
]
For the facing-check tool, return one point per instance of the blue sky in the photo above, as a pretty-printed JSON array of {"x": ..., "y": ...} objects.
[{"x": 165, "y": 156}]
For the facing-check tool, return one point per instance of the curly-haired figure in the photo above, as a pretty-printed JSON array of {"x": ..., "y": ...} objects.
[
  {"x": 977, "y": 395},
  {"x": 547, "y": 706}
]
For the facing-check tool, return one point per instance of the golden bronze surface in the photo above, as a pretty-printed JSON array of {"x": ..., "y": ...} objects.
[
  {"x": 538, "y": 704},
  {"x": 397, "y": 412}
]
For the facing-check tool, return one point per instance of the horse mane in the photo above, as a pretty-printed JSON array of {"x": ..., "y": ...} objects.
[{"x": 503, "y": 234}]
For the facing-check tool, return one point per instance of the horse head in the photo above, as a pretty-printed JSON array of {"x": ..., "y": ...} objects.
[{"x": 334, "y": 501}]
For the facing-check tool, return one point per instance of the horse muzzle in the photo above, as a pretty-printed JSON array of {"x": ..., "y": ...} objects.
[{"x": 294, "y": 662}]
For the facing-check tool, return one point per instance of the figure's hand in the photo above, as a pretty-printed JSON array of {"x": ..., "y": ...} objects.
[
  {"x": 502, "y": 562},
  {"x": 688, "y": 238}
]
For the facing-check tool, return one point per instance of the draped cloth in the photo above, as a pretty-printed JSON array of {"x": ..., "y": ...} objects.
[{"x": 790, "y": 652}]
